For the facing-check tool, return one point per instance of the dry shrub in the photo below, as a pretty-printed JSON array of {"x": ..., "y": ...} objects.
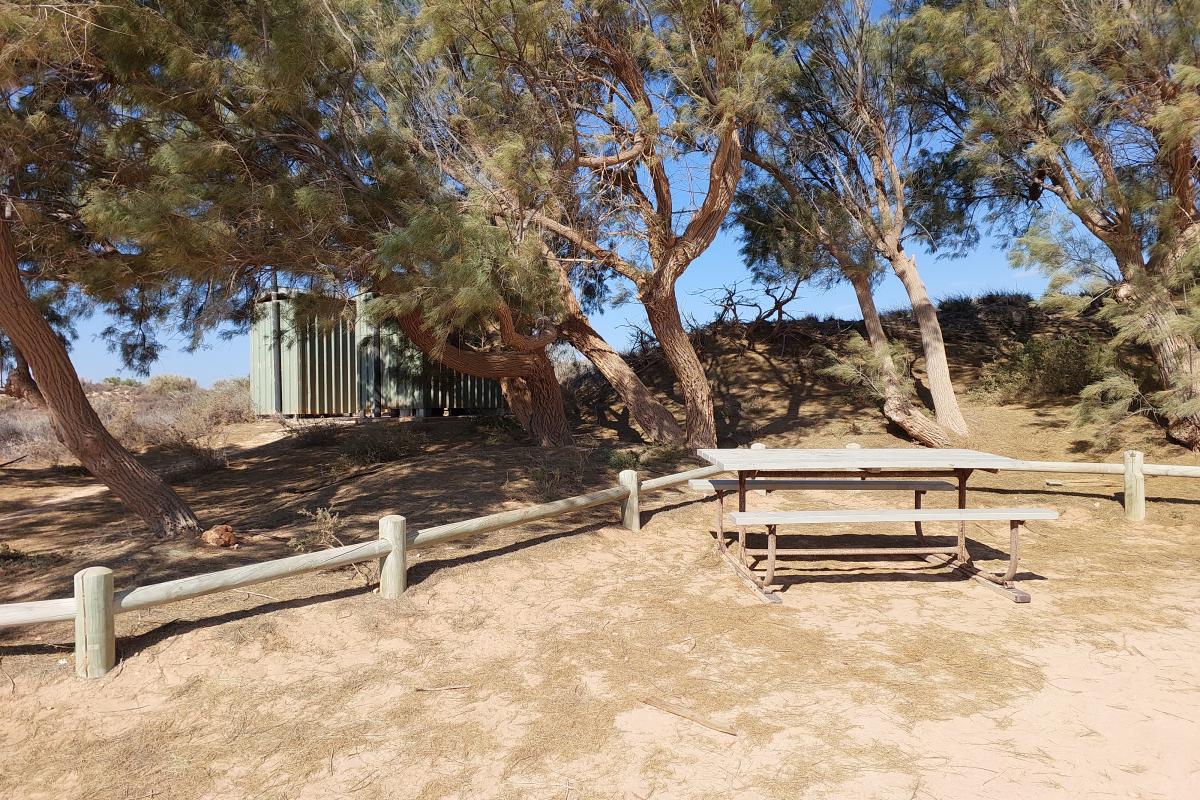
[
  {"x": 164, "y": 414},
  {"x": 13, "y": 559},
  {"x": 324, "y": 532},
  {"x": 380, "y": 444},
  {"x": 319, "y": 433},
  {"x": 170, "y": 384}
]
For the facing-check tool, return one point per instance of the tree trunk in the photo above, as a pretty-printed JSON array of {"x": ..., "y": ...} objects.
[
  {"x": 526, "y": 378},
  {"x": 651, "y": 417},
  {"x": 937, "y": 367},
  {"x": 71, "y": 415},
  {"x": 662, "y": 311},
  {"x": 896, "y": 406},
  {"x": 21, "y": 384},
  {"x": 547, "y": 415},
  {"x": 1178, "y": 362}
]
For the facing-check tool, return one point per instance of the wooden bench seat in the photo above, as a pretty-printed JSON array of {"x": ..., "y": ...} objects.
[
  {"x": 724, "y": 486},
  {"x": 785, "y": 484},
  {"x": 891, "y": 515},
  {"x": 957, "y": 556}
]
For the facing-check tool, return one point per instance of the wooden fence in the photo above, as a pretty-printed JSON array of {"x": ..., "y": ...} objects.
[{"x": 95, "y": 603}]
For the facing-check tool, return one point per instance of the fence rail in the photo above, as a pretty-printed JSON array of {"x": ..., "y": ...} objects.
[{"x": 95, "y": 603}]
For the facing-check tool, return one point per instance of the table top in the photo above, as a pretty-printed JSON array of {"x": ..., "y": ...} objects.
[{"x": 817, "y": 460}]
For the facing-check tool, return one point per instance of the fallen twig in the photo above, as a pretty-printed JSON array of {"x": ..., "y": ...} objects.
[
  {"x": 15, "y": 460},
  {"x": 670, "y": 708},
  {"x": 441, "y": 688}
]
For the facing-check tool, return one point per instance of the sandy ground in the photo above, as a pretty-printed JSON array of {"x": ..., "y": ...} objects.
[{"x": 520, "y": 665}]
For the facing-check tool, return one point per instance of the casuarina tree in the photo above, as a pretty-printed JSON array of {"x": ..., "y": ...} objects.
[{"x": 1091, "y": 109}]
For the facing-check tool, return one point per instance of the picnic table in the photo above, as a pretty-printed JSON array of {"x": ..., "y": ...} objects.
[{"x": 863, "y": 468}]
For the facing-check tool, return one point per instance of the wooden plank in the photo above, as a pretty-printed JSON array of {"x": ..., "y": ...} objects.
[
  {"x": 159, "y": 593},
  {"x": 95, "y": 633},
  {"x": 857, "y": 551},
  {"x": 843, "y": 458},
  {"x": 1171, "y": 471},
  {"x": 972, "y": 572},
  {"x": 37, "y": 611},
  {"x": 666, "y": 481},
  {"x": 747, "y": 577},
  {"x": 805, "y": 484},
  {"x": 889, "y": 515},
  {"x": 507, "y": 519}
]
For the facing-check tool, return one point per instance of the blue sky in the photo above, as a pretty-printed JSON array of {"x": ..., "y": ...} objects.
[{"x": 982, "y": 270}]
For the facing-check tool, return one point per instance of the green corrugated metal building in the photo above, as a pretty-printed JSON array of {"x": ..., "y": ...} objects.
[{"x": 308, "y": 364}]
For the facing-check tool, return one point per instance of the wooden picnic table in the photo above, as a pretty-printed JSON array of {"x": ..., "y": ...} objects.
[{"x": 865, "y": 464}]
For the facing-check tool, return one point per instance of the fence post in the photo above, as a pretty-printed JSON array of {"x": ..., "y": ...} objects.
[
  {"x": 1135, "y": 486},
  {"x": 393, "y": 568},
  {"x": 631, "y": 509},
  {"x": 95, "y": 630}
]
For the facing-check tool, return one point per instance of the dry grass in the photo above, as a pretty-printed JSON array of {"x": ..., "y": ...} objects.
[{"x": 169, "y": 413}]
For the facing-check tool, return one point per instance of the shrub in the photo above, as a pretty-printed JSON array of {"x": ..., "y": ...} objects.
[
  {"x": 1059, "y": 367},
  {"x": 312, "y": 434},
  {"x": 226, "y": 403},
  {"x": 324, "y": 533},
  {"x": 170, "y": 384},
  {"x": 554, "y": 483},
  {"x": 114, "y": 380},
  {"x": 380, "y": 444},
  {"x": 497, "y": 429},
  {"x": 622, "y": 459}
]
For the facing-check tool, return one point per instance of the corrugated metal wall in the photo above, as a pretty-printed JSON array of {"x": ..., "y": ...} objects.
[{"x": 338, "y": 367}]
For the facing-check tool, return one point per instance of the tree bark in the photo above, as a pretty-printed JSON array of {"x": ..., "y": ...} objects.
[
  {"x": 933, "y": 346},
  {"x": 72, "y": 417},
  {"x": 21, "y": 384},
  {"x": 650, "y": 417},
  {"x": 1178, "y": 362},
  {"x": 526, "y": 378},
  {"x": 662, "y": 311},
  {"x": 896, "y": 406}
]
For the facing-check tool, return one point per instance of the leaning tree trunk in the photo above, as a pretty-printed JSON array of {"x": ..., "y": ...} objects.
[
  {"x": 527, "y": 379},
  {"x": 1178, "y": 361},
  {"x": 896, "y": 406},
  {"x": 651, "y": 417},
  {"x": 71, "y": 415},
  {"x": 933, "y": 346},
  {"x": 662, "y": 311}
]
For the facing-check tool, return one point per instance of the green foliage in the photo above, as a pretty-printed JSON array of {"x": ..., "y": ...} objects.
[
  {"x": 1096, "y": 105},
  {"x": 855, "y": 364},
  {"x": 618, "y": 460},
  {"x": 1047, "y": 368},
  {"x": 113, "y": 380}
]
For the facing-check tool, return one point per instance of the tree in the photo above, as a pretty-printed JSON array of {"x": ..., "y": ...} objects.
[
  {"x": 298, "y": 125},
  {"x": 849, "y": 139},
  {"x": 54, "y": 98},
  {"x": 1097, "y": 105},
  {"x": 605, "y": 113},
  {"x": 792, "y": 229}
]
